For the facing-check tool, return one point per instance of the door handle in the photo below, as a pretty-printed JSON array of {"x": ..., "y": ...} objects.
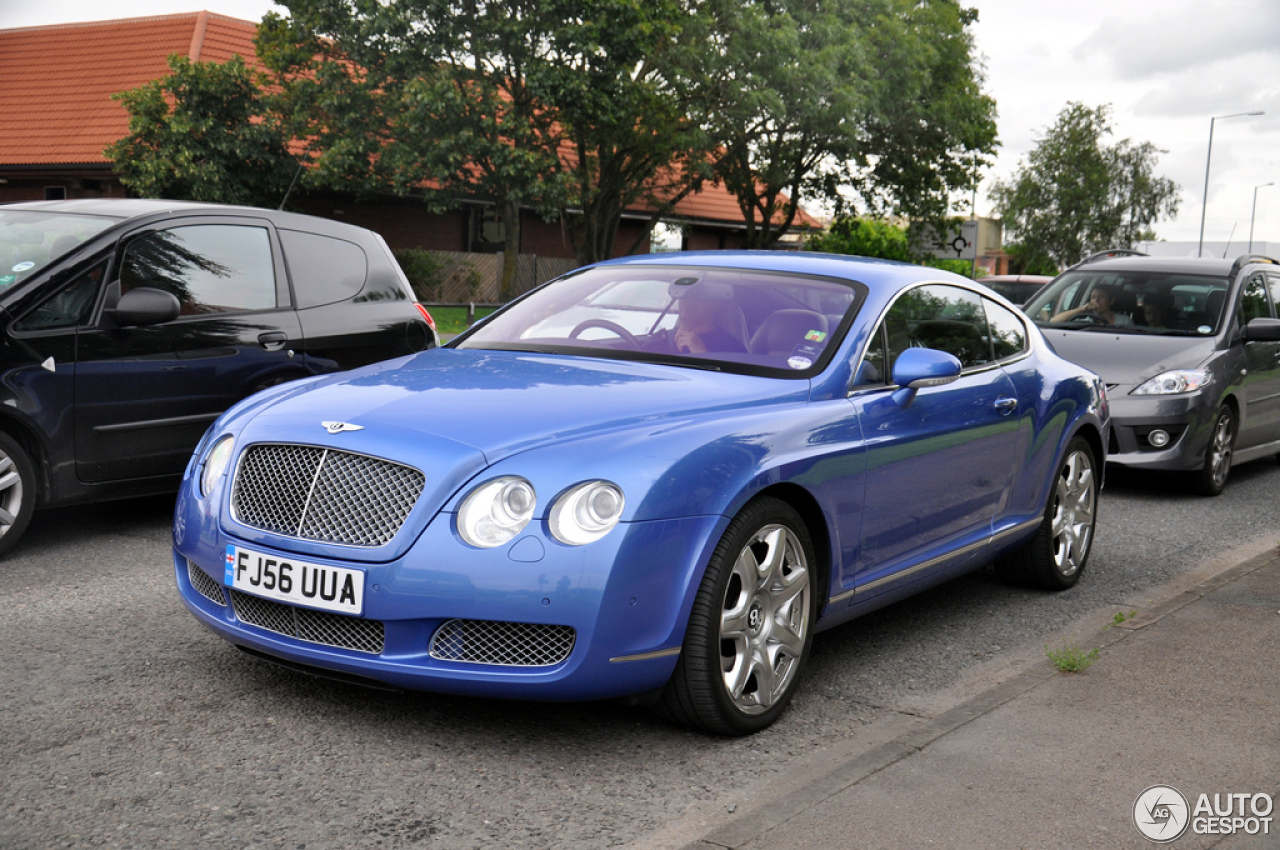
[
  {"x": 273, "y": 340},
  {"x": 1006, "y": 405}
]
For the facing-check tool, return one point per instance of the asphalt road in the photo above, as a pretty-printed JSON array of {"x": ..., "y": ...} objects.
[{"x": 123, "y": 723}]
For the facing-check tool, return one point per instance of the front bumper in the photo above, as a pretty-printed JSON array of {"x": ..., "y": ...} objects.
[
  {"x": 1187, "y": 419},
  {"x": 620, "y": 603}
]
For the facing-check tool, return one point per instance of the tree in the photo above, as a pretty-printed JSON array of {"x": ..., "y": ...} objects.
[
  {"x": 203, "y": 133},
  {"x": 863, "y": 237},
  {"x": 1075, "y": 195},
  {"x": 809, "y": 98}
]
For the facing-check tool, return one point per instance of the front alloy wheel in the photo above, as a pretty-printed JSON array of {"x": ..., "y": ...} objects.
[
  {"x": 1211, "y": 479},
  {"x": 17, "y": 491},
  {"x": 751, "y": 626}
]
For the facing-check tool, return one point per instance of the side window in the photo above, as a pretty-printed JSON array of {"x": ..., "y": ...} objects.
[
  {"x": 1253, "y": 302},
  {"x": 1008, "y": 334},
  {"x": 210, "y": 268},
  {"x": 874, "y": 370},
  {"x": 1273, "y": 284},
  {"x": 323, "y": 269},
  {"x": 69, "y": 307},
  {"x": 947, "y": 318}
]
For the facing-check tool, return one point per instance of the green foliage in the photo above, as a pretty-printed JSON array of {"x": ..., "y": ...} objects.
[
  {"x": 863, "y": 237},
  {"x": 1075, "y": 195},
  {"x": 1070, "y": 658},
  {"x": 203, "y": 133},
  {"x": 964, "y": 268},
  {"x": 428, "y": 273},
  {"x": 1027, "y": 259}
]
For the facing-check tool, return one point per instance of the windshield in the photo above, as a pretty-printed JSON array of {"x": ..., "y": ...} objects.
[
  {"x": 29, "y": 241},
  {"x": 1133, "y": 301},
  {"x": 732, "y": 319}
]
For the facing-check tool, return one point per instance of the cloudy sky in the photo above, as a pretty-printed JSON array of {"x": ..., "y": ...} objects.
[{"x": 1166, "y": 67}]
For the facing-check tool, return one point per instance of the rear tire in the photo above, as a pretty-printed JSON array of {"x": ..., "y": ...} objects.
[
  {"x": 17, "y": 491},
  {"x": 1211, "y": 479},
  {"x": 751, "y": 626},
  {"x": 1056, "y": 556}
]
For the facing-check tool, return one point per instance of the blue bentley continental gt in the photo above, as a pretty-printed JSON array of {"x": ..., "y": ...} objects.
[{"x": 654, "y": 477}]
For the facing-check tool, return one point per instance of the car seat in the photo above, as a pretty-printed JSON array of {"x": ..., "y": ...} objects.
[{"x": 783, "y": 330}]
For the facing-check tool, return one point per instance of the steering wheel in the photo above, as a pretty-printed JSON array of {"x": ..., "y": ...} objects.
[
  {"x": 1090, "y": 317},
  {"x": 604, "y": 324}
]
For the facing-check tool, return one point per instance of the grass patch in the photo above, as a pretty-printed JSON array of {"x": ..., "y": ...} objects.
[
  {"x": 453, "y": 320},
  {"x": 1070, "y": 658},
  {"x": 1120, "y": 617}
]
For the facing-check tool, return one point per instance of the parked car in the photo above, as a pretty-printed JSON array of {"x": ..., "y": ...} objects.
[
  {"x": 129, "y": 325},
  {"x": 654, "y": 477},
  {"x": 1018, "y": 288},
  {"x": 1190, "y": 352}
]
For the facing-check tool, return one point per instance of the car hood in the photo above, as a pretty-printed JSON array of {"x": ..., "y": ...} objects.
[
  {"x": 466, "y": 409},
  {"x": 1129, "y": 358}
]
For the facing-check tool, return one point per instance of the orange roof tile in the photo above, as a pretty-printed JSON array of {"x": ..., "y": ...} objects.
[
  {"x": 56, "y": 81},
  {"x": 56, "y": 84}
]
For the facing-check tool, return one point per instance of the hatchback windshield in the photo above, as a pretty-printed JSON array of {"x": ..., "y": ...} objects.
[
  {"x": 734, "y": 319},
  {"x": 1133, "y": 302},
  {"x": 30, "y": 241}
]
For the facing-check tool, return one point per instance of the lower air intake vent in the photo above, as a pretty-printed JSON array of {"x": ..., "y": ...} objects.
[
  {"x": 507, "y": 644},
  {"x": 308, "y": 625}
]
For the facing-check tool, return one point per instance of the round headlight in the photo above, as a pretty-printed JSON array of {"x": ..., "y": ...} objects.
[
  {"x": 496, "y": 511},
  {"x": 1176, "y": 381},
  {"x": 586, "y": 512},
  {"x": 215, "y": 464}
]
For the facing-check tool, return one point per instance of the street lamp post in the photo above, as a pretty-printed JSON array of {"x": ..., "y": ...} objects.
[
  {"x": 1255, "y": 211},
  {"x": 1207, "y": 161}
]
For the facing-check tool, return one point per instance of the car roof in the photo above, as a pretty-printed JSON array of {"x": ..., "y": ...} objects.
[
  {"x": 1172, "y": 265},
  {"x": 125, "y": 209}
]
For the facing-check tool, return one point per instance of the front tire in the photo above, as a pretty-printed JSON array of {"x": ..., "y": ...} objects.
[
  {"x": 1211, "y": 479},
  {"x": 1056, "y": 556},
  {"x": 751, "y": 626},
  {"x": 17, "y": 491}
]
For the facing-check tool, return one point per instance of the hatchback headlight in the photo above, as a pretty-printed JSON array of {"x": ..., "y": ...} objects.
[
  {"x": 1176, "y": 381},
  {"x": 496, "y": 511},
  {"x": 586, "y": 512},
  {"x": 215, "y": 464}
]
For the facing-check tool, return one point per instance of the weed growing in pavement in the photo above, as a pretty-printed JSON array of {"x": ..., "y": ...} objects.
[
  {"x": 1121, "y": 617},
  {"x": 1070, "y": 658}
]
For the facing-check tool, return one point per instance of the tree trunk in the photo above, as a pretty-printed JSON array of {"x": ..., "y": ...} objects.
[{"x": 510, "y": 216}]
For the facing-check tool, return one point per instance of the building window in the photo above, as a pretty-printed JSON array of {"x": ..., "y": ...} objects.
[
  {"x": 55, "y": 193},
  {"x": 666, "y": 236}
]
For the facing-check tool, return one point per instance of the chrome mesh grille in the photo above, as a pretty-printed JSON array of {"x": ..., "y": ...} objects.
[
  {"x": 508, "y": 644},
  {"x": 205, "y": 586},
  {"x": 324, "y": 494},
  {"x": 311, "y": 626}
]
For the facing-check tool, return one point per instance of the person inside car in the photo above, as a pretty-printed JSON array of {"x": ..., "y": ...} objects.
[{"x": 1101, "y": 304}]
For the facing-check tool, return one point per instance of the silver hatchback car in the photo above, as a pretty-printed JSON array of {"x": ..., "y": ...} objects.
[{"x": 1189, "y": 350}]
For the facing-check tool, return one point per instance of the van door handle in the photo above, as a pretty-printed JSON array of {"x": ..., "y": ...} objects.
[
  {"x": 273, "y": 340},
  {"x": 1006, "y": 405}
]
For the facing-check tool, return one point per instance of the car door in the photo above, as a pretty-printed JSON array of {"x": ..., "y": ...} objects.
[
  {"x": 940, "y": 468},
  {"x": 1260, "y": 388},
  {"x": 145, "y": 395}
]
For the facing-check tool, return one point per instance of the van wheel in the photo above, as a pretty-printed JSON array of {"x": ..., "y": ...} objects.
[
  {"x": 1211, "y": 479},
  {"x": 17, "y": 491}
]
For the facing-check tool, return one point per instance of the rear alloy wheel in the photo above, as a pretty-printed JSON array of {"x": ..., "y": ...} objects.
[
  {"x": 1211, "y": 479},
  {"x": 17, "y": 491},
  {"x": 751, "y": 626},
  {"x": 1056, "y": 556}
]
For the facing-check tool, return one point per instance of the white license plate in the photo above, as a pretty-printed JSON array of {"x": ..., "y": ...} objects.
[{"x": 296, "y": 582}]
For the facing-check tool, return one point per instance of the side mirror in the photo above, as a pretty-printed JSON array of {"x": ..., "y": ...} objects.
[
  {"x": 1262, "y": 330},
  {"x": 917, "y": 368},
  {"x": 144, "y": 306}
]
